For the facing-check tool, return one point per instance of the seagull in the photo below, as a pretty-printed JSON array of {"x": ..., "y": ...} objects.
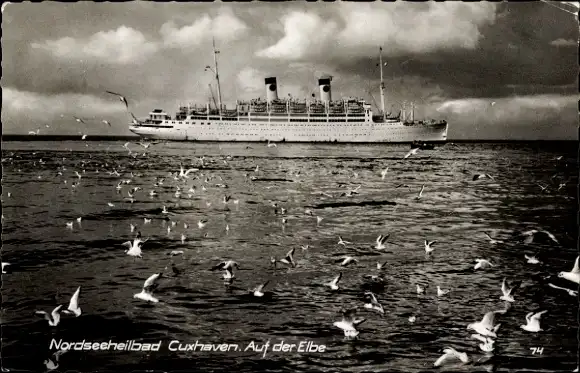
[
  {"x": 573, "y": 293},
  {"x": 485, "y": 327},
  {"x": 420, "y": 289},
  {"x": 121, "y": 97},
  {"x": 491, "y": 240},
  {"x": 201, "y": 223},
  {"x": 79, "y": 120},
  {"x": 342, "y": 242},
  {"x": 318, "y": 220},
  {"x": 257, "y": 292},
  {"x": 534, "y": 234},
  {"x": 543, "y": 187},
  {"x": 487, "y": 345},
  {"x": 482, "y": 176},
  {"x": 346, "y": 260},
  {"x": 506, "y": 292},
  {"x": 381, "y": 266},
  {"x": 271, "y": 144},
  {"x": 381, "y": 241},
  {"x": 411, "y": 152},
  {"x": 4, "y": 264},
  {"x": 334, "y": 283},
  {"x": 348, "y": 323},
  {"x": 150, "y": 285},
  {"x": 451, "y": 354},
  {"x": 73, "y": 306},
  {"x": 33, "y": 133},
  {"x": 573, "y": 275},
  {"x": 54, "y": 317},
  {"x": 53, "y": 364},
  {"x": 106, "y": 122},
  {"x": 374, "y": 304},
  {"x": 384, "y": 173},
  {"x": 164, "y": 210},
  {"x": 441, "y": 292},
  {"x": 135, "y": 246},
  {"x": 412, "y": 319},
  {"x": 532, "y": 259},
  {"x": 225, "y": 265},
  {"x": 421, "y": 192},
  {"x": 146, "y": 221},
  {"x": 482, "y": 263},
  {"x": 533, "y": 322},
  {"x": 69, "y": 225},
  {"x": 288, "y": 259},
  {"x": 428, "y": 249},
  {"x": 184, "y": 174}
]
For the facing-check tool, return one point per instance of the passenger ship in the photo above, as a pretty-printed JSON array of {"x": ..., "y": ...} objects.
[{"x": 290, "y": 120}]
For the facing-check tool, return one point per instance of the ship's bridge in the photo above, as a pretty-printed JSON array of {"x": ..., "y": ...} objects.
[{"x": 158, "y": 114}]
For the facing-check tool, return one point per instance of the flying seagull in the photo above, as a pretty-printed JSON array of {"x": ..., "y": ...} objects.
[
  {"x": 73, "y": 306},
  {"x": 121, "y": 97}
]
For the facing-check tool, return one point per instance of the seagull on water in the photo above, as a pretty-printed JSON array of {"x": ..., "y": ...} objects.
[
  {"x": 257, "y": 292},
  {"x": 69, "y": 225},
  {"x": 73, "y": 306},
  {"x": 491, "y": 240},
  {"x": 482, "y": 176},
  {"x": 531, "y": 259},
  {"x": 573, "y": 275},
  {"x": 533, "y": 322},
  {"x": 175, "y": 252},
  {"x": 374, "y": 304},
  {"x": 348, "y": 323},
  {"x": 485, "y": 327},
  {"x": 346, "y": 260},
  {"x": 106, "y": 122},
  {"x": 384, "y": 173},
  {"x": 334, "y": 283},
  {"x": 420, "y": 192},
  {"x": 428, "y": 248},
  {"x": 573, "y": 293},
  {"x": 450, "y": 354},
  {"x": 487, "y": 345},
  {"x": 507, "y": 293},
  {"x": 342, "y": 242},
  {"x": 4, "y": 264},
  {"x": 121, "y": 98},
  {"x": 441, "y": 292},
  {"x": 226, "y": 265},
  {"x": 149, "y": 286},
  {"x": 381, "y": 266},
  {"x": 201, "y": 224},
  {"x": 54, "y": 317},
  {"x": 79, "y": 120},
  {"x": 482, "y": 263},
  {"x": 420, "y": 289},
  {"x": 381, "y": 242}
]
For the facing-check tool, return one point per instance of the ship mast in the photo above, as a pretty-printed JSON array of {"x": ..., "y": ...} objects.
[
  {"x": 382, "y": 84},
  {"x": 217, "y": 77}
]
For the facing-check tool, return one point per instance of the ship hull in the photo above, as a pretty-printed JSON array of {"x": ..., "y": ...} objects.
[{"x": 393, "y": 132}]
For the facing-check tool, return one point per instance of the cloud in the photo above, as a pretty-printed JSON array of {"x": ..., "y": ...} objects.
[
  {"x": 121, "y": 46},
  {"x": 303, "y": 33},
  {"x": 225, "y": 27},
  {"x": 251, "y": 80},
  {"x": 524, "y": 117},
  {"x": 564, "y": 43},
  {"x": 400, "y": 27}
]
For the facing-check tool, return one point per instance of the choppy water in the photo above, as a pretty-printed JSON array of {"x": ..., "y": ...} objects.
[{"x": 49, "y": 261}]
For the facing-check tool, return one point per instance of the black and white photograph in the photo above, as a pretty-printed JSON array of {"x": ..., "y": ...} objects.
[{"x": 298, "y": 186}]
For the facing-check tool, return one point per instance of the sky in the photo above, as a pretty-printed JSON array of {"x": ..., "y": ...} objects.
[{"x": 493, "y": 70}]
